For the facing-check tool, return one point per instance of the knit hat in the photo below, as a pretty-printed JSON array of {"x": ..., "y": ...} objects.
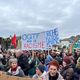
[
  {"x": 41, "y": 68},
  {"x": 66, "y": 60},
  {"x": 55, "y": 63}
]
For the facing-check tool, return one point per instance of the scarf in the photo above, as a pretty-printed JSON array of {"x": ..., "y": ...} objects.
[
  {"x": 14, "y": 71},
  {"x": 53, "y": 77}
]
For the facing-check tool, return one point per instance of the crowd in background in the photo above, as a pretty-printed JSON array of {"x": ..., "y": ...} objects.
[{"x": 42, "y": 65}]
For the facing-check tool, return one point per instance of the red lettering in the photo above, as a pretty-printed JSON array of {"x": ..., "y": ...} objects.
[
  {"x": 43, "y": 44},
  {"x": 27, "y": 45},
  {"x": 35, "y": 45}
]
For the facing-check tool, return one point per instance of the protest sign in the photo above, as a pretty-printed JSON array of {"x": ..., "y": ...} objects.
[{"x": 38, "y": 41}]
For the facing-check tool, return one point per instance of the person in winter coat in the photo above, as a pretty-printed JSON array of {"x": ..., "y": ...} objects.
[
  {"x": 77, "y": 70},
  {"x": 14, "y": 69},
  {"x": 41, "y": 58},
  {"x": 66, "y": 64},
  {"x": 33, "y": 62},
  {"x": 23, "y": 63},
  {"x": 53, "y": 73},
  {"x": 1, "y": 66},
  {"x": 53, "y": 54},
  {"x": 69, "y": 74}
]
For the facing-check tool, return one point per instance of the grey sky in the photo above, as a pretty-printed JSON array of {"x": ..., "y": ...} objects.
[{"x": 28, "y": 16}]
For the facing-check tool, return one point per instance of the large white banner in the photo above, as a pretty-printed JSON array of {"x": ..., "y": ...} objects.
[{"x": 39, "y": 41}]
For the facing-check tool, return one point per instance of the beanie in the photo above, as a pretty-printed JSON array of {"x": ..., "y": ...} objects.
[
  {"x": 41, "y": 68},
  {"x": 66, "y": 60}
]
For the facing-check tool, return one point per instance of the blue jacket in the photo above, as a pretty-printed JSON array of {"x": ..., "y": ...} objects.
[{"x": 48, "y": 59}]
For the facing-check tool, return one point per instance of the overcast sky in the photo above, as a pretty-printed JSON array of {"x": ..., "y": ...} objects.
[{"x": 29, "y": 16}]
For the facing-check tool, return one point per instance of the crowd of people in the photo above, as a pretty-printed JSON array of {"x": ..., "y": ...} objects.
[{"x": 42, "y": 65}]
